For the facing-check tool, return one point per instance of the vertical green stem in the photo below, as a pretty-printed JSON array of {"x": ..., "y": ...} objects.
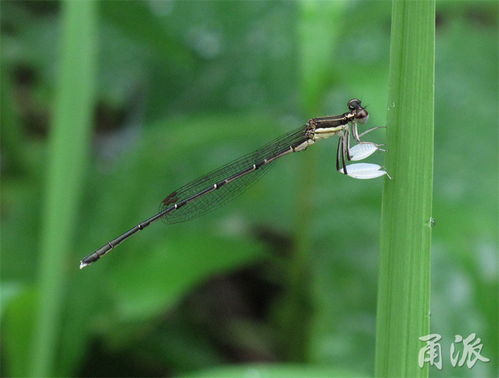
[
  {"x": 404, "y": 275},
  {"x": 67, "y": 156}
]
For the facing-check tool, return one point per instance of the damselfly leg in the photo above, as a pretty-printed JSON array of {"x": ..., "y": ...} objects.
[
  {"x": 362, "y": 150},
  {"x": 340, "y": 155},
  {"x": 371, "y": 129}
]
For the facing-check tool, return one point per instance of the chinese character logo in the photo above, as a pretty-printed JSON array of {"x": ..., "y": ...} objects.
[
  {"x": 432, "y": 352},
  {"x": 463, "y": 350},
  {"x": 470, "y": 351}
]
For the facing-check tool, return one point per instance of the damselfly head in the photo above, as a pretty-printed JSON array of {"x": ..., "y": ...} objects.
[{"x": 360, "y": 114}]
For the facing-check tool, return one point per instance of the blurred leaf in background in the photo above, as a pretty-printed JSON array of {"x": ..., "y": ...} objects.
[{"x": 184, "y": 87}]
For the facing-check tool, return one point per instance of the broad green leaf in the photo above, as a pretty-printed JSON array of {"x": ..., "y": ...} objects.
[
  {"x": 17, "y": 331},
  {"x": 152, "y": 281}
]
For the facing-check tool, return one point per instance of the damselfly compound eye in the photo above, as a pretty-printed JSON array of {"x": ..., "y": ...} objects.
[
  {"x": 361, "y": 115},
  {"x": 353, "y": 104}
]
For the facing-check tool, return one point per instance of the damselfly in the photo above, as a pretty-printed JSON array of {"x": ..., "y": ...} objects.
[{"x": 208, "y": 192}]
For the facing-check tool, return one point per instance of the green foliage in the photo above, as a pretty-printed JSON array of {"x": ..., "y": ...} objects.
[
  {"x": 17, "y": 336},
  {"x": 280, "y": 371},
  {"x": 182, "y": 88},
  {"x": 316, "y": 43},
  {"x": 406, "y": 218},
  {"x": 68, "y": 146}
]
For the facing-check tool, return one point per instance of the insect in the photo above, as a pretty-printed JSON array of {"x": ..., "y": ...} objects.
[{"x": 210, "y": 191}]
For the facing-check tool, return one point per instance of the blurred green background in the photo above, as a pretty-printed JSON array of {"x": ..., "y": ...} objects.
[{"x": 286, "y": 273}]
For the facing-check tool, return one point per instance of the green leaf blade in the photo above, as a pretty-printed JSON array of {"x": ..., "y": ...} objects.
[
  {"x": 404, "y": 278},
  {"x": 69, "y": 142}
]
